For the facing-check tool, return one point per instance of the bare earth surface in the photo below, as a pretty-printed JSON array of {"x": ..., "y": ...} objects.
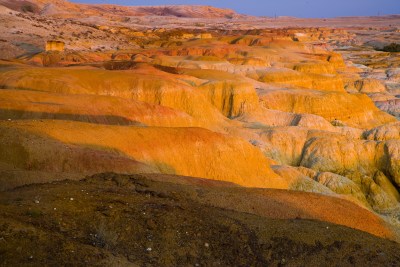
[{"x": 121, "y": 220}]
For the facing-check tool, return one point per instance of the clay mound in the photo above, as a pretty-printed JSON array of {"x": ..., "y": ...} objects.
[
  {"x": 336, "y": 59},
  {"x": 274, "y": 41},
  {"x": 145, "y": 84},
  {"x": 57, "y": 58},
  {"x": 186, "y": 151},
  {"x": 205, "y": 95},
  {"x": 276, "y": 118},
  {"x": 391, "y": 106},
  {"x": 24, "y": 104},
  {"x": 359, "y": 160},
  {"x": 252, "y": 61},
  {"x": 370, "y": 86},
  {"x": 292, "y": 78},
  {"x": 354, "y": 110},
  {"x": 26, "y": 158},
  {"x": 210, "y": 49},
  {"x": 315, "y": 67},
  {"x": 232, "y": 98},
  {"x": 384, "y": 132},
  {"x": 364, "y": 171},
  {"x": 112, "y": 217}
]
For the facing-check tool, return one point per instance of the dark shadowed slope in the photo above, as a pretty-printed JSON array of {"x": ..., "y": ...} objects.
[{"x": 112, "y": 219}]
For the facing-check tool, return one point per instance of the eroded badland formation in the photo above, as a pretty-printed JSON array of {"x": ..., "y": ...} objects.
[{"x": 237, "y": 140}]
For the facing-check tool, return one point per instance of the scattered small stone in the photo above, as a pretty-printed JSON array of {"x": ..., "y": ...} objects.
[
  {"x": 131, "y": 258},
  {"x": 149, "y": 249},
  {"x": 55, "y": 208},
  {"x": 107, "y": 213},
  {"x": 37, "y": 201},
  {"x": 71, "y": 199},
  {"x": 206, "y": 245},
  {"x": 151, "y": 224}
]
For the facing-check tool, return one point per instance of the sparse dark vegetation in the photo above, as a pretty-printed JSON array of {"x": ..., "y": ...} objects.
[
  {"x": 114, "y": 219},
  {"x": 119, "y": 65},
  {"x": 393, "y": 47},
  {"x": 34, "y": 213},
  {"x": 27, "y": 8}
]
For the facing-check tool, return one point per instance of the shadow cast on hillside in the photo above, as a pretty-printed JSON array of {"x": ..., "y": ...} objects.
[{"x": 13, "y": 114}]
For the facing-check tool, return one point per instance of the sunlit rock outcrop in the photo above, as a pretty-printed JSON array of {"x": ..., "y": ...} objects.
[
  {"x": 384, "y": 132},
  {"x": 186, "y": 151},
  {"x": 355, "y": 110}
]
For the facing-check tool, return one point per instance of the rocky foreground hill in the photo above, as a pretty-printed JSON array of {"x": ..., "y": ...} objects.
[
  {"x": 162, "y": 220},
  {"x": 231, "y": 133}
]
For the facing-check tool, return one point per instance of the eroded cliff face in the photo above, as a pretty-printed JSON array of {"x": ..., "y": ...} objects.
[
  {"x": 146, "y": 86},
  {"x": 26, "y": 104},
  {"x": 353, "y": 110},
  {"x": 55, "y": 46}
]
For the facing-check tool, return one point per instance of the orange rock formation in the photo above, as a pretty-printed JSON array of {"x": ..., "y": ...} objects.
[{"x": 55, "y": 46}]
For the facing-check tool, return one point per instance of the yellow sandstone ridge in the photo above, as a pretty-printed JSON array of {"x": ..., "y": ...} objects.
[
  {"x": 232, "y": 98},
  {"x": 25, "y": 104},
  {"x": 389, "y": 131},
  {"x": 185, "y": 151},
  {"x": 325, "y": 82},
  {"x": 361, "y": 161},
  {"x": 354, "y": 110},
  {"x": 140, "y": 85}
]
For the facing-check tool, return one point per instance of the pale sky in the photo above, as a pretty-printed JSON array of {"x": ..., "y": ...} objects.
[{"x": 298, "y": 8}]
